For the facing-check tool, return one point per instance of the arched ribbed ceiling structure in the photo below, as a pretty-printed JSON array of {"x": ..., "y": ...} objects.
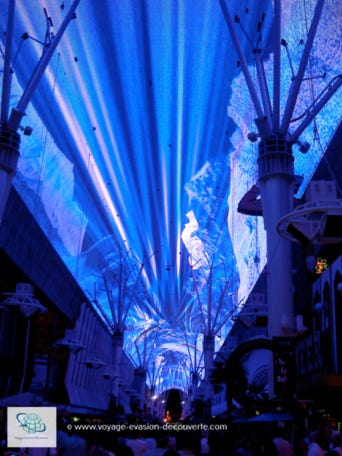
[{"x": 139, "y": 157}]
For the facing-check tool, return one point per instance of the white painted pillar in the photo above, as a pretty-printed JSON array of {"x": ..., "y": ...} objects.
[
  {"x": 117, "y": 338},
  {"x": 276, "y": 187}
]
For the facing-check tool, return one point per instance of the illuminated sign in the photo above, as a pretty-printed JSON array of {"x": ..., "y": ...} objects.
[{"x": 321, "y": 265}]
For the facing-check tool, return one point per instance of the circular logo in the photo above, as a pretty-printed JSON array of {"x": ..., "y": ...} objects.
[{"x": 31, "y": 422}]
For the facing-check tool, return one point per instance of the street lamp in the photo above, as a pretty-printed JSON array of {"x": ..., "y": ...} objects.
[
  {"x": 28, "y": 305},
  {"x": 68, "y": 341}
]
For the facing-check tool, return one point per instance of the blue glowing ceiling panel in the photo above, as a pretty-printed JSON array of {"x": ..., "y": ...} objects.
[{"x": 139, "y": 157}]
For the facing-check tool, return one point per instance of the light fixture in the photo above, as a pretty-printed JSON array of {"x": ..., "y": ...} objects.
[
  {"x": 316, "y": 222},
  {"x": 253, "y": 137},
  {"x": 27, "y": 130},
  {"x": 303, "y": 146},
  {"x": 24, "y": 299},
  {"x": 108, "y": 374},
  {"x": 94, "y": 363},
  {"x": 69, "y": 342}
]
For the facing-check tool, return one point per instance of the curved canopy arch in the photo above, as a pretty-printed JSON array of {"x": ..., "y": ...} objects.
[{"x": 139, "y": 153}]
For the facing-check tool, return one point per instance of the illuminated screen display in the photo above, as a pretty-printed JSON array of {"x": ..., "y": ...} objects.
[{"x": 139, "y": 157}]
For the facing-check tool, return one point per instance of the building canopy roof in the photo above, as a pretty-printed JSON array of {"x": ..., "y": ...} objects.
[{"x": 139, "y": 157}]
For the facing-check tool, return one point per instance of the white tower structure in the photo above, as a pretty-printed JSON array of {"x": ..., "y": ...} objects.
[{"x": 276, "y": 161}]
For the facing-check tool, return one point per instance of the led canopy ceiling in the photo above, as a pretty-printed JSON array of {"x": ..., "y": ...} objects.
[{"x": 139, "y": 157}]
